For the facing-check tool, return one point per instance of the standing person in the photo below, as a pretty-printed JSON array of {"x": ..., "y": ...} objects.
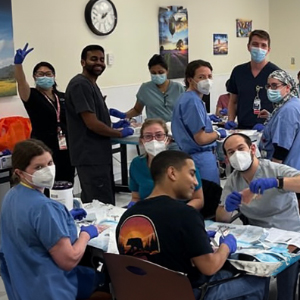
[
  {"x": 246, "y": 85},
  {"x": 45, "y": 106},
  {"x": 88, "y": 116},
  {"x": 191, "y": 126}
]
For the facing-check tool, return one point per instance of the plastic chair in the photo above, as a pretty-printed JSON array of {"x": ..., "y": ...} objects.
[{"x": 135, "y": 279}]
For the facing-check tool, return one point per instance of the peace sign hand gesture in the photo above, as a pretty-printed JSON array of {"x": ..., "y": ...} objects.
[{"x": 21, "y": 54}]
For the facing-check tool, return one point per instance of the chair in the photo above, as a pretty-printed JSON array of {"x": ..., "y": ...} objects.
[{"x": 135, "y": 279}]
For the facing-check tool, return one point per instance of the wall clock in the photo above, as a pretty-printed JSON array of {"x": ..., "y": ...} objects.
[{"x": 101, "y": 16}]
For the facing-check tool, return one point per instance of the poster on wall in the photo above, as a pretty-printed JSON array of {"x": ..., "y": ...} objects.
[
  {"x": 243, "y": 27},
  {"x": 7, "y": 81},
  {"x": 220, "y": 42},
  {"x": 173, "y": 39}
]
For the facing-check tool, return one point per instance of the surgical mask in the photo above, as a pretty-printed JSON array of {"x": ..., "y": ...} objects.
[
  {"x": 44, "y": 82},
  {"x": 43, "y": 178},
  {"x": 154, "y": 147},
  {"x": 241, "y": 160},
  {"x": 258, "y": 54},
  {"x": 204, "y": 86},
  {"x": 159, "y": 78},
  {"x": 274, "y": 95}
]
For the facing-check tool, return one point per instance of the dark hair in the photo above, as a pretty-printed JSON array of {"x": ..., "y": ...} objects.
[
  {"x": 192, "y": 67},
  {"x": 24, "y": 152},
  {"x": 47, "y": 65},
  {"x": 227, "y": 84},
  {"x": 165, "y": 159},
  {"x": 244, "y": 136},
  {"x": 157, "y": 59},
  {"x": 150, "y": 122},
  {"x": 298, "y": 74},
  {"x": 261, "y": 34},
  {"x": 90, "y": 48}
]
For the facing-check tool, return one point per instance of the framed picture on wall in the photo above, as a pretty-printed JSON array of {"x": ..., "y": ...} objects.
[
  {"x": 220, "y": 42},
  {"x": 243, "y": 27}
]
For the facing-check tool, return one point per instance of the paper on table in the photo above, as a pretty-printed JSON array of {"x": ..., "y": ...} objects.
[{"x": 284, "y": 236}]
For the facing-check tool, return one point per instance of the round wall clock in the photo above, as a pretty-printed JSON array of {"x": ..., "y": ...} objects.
[{"x": 101, "y": 16}]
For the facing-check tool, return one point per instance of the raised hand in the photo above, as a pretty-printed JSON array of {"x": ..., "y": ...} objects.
[{"x": 21, "y": 54}]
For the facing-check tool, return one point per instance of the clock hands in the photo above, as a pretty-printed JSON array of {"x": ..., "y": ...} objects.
[{"x": 104, "y": 15}]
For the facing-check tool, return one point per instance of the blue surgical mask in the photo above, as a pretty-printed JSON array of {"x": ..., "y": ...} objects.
[
  {"x": 44, "y": 82},
  {"x": 159, "y": 78},
  {"x": 274, "y": 95},
  {"x": 258, "y": 54}
]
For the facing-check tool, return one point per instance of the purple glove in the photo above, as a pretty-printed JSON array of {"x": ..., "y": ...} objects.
[
  {"x": 224, "y": 111},
  {"x": 258, "y": 186},
  {"x": 91, "y": 230},
  {"x": 214, "y": 118},
  {"x": 116, "y": 113},
  {"x": 230, "y": 125},
  {"x": 130, "y": 204},
  {"x": 233, "y": 201},
  {"x": 121, "y": 124},
  {"x": 259, "y": 127},
  {"x": 127, "y": 131},
  {"x": 230, "y": 241},
  {"x": 222, "y": 132},
  {"x": 21, "y": 54},
  {"x": 78, "y": 213},
  {"x": 211, "y": 233}
]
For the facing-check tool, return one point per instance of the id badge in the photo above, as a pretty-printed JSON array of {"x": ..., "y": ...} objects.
[
  {"x": 62, "y": 142},
  {"x": 263, "y": 153}
]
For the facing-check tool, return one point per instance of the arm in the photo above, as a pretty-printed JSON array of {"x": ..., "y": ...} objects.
[
  {"x": 218, "y": 108},
  {"x": 135, "y": 197},
  {"x": 197, "y": 200},
  {"x": 222, "y": 215},
  {"x": 232, "y": 106},
  {"x": 23, "y": 86},
  {"x": 203, "y": 138},
  {"x": 135, "y": 111},
  {"x": 292, "y": 184}
]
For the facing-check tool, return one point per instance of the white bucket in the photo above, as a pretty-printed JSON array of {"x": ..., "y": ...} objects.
[{"x": 63, "y": 193}]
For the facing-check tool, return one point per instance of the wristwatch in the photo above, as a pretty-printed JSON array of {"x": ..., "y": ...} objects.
[
  {"x": 280, "y": 182},
  {"x": 218, "y": 133}
]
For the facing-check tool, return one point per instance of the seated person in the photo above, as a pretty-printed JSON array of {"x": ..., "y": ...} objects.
[
  {"x": 171, "y": 234},
  {"x": 154, "y": 138},
  {"x": 222, "y": 104},
  {"x": 277, "y": 204}
]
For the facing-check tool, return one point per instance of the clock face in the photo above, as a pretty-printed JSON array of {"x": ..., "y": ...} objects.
[{"x": 101, "y": 16}]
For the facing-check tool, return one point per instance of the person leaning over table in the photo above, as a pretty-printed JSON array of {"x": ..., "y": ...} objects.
[
  {"x": 276, "y": 205},
  {"x": 176, "y": 233},
  {"x": 154, "y": 138},
  {"x": 40, "y": 247}
]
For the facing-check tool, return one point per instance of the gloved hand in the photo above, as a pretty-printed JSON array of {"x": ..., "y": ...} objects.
[
  {"x": 224, "y": 111},
  {"x": 214, "y": 118},
  {"x": 230, "y": 241},
  {"x": 259, "y": 127},
  {"x": 91, "y": 230},
  {"x": 21, "y": 54},
  {"x": 211, "y": 233},
  {"x": 233, "y": 201},
  {"x": 258, "y": 186},
  {"x": 78, "y": 213},
  {"x": 222, "y": 132},
  {"x": 127, "y": 131},
  {"x": 116, "y": 113},
  {"x": 121, "y": 124},
  {"x": 130, "y": 204},
  {"x": 230, "y": 125}
]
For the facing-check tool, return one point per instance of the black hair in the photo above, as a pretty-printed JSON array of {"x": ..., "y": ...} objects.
[
  {"x": 298, "y": 74},
  {"x": 157, "y": 59},
  {"x": 90, "y": 48},
  {"x": 227, "y": 84},
  {"x": 192, "y": 67},
  {"x": 244, "y": 136},
  {"x": 261, "y": 34},
  {"x": 165, "y": 159},
  {"x": 47, "y": 65}
]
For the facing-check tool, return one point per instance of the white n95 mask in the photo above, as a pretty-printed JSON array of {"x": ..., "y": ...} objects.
[
  {"x": 241, "y": 160},
  {"x": 44, "y": 178},
  {"x": 204, "y": 86},
  {"x": 154, "y": 147}
]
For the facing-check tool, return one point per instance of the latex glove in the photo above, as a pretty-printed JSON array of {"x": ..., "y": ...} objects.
[
  {"x": 233, "y": 201},
  {"x": 116, "y": 113},
  {"x": 130, "y": 204},
  {"x": 259, "y": 127},
  {"x": 222, "y": 132},
  {"x": 258, "y": 186},
  {"x": 127, "y": 131},
  {"x": 78, "y": 213},
  {"x": 230, "y": 125},
  {"x": 211, "y": 233},
  {"x": 214, "y": 118},
  {"x": 21, "y": 54},
  {"x": 91, "y": 230},
  {"x": 121, "y": 124},
  {"x": 224, "y": 111},
  {"x": 230, "y": 241}
]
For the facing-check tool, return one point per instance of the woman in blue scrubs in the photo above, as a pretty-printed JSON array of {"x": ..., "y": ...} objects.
[{"x": 191, "y": 126}]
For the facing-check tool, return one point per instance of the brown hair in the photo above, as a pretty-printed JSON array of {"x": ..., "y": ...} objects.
[
  {"x": 150, "y": 122},
  {"x": 261, "y": 34},
  {"x": 192, "y": 67}
]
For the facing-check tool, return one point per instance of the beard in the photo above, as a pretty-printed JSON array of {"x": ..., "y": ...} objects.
[{"x": 94, "y": 70}]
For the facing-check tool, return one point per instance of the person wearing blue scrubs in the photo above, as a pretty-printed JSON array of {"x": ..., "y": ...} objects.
[
  {"x": 280, "y": 141},
  {"x": 40, "y": 248},
  {"x": 191, "y": 125},
  {"x": 154, "y": 138}
]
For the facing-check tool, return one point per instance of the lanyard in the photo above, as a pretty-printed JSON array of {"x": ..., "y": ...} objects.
[{"x": 58, "y": 106}]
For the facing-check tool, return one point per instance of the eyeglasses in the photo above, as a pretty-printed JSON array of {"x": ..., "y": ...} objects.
[
  {"x": 42, "y": 74},
  {"x": 273, "y": 86},
  {"x": 157, "y": 136}
]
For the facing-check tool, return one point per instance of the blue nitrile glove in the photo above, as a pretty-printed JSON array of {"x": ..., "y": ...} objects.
[
  {"x": 224, "y": 111},
  {"x": 230, "y": 241},
  {"x": 91, "y": 230},
  {"x": 130, "y": 204},
  {"x": 211, "y": 233},
  {"x": 222, "y": 132},
  {"x": 121, "y": 124},
  {"x": 258, "y": 186},
  {"x": 214, "y": 118},
  {"x": 21, "y": 54},
  {"x": 230, "y": 125},
  {"x": 233, "y": 201},
  {"x": 259, "y": 127},
  {"x": 78, "y": 213},
  {"x": 116, "y": 113},
  {"x": 127, "y": 131}
]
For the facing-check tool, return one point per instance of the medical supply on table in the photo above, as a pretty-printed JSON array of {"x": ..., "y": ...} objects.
[{"x": 62, "y": 192}]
